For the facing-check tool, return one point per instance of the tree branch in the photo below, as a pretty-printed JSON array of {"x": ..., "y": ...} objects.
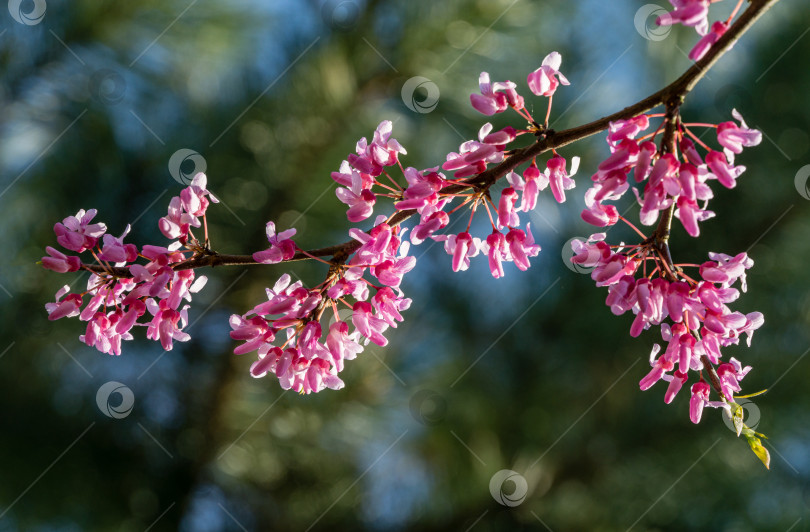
[{"x": 671, "y": 95}]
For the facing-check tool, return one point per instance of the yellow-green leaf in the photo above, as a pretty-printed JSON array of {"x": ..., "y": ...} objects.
[{"x": 759, "y": 450}]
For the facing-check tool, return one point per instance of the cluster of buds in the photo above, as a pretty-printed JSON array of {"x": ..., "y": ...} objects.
[
  {"x": 693, "y": 315},
  {"x": 308, "y": 354},
  {"x": 122, "y": 291}
]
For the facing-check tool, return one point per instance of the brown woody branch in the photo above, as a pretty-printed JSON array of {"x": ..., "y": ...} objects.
[{"x": 672, "y": 96}]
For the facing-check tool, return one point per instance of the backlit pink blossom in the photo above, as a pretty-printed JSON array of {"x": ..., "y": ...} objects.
[{"x": 545, "y": 80}]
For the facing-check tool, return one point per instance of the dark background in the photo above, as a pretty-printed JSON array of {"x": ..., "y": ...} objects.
[{"x": 483, "y": 375}]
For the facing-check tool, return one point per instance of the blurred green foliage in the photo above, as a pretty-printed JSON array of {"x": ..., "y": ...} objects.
[{"x": 483, "y": 375}]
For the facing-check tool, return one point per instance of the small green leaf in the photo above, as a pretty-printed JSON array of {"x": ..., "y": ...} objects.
[{"x": 759, "y": 450}]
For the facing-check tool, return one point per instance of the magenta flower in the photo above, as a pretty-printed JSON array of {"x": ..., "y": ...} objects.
[
  {"x": 689, "y": 13},
  {"x": 734, "y": 137},
  {"x": 436, "y": 221},
  {"x": 627, "y": 129},
  {"x": 342, "y": 346},
  {"x": 114, "y": 249},
  {"x": 491, "y": 101},
  {"x": 59, "y": 262},
  {"x": 545, "y": 80},
  {"x": 76, "y": 233},
  {"x": 367, "y": 324},
  {"x": 461, "y": 246},
  {"x": 281, "y": 246},
  {"x": 522, "y": 246},
  {"x": 64, "y": 308},
  {"x": 707, "y": 41},
  {"x": 700, "y": 397},
  {"x": 497, "y": 251},
  {"x": 558, "y": 178},
  {"x": 390, "y": 271},
  {"x": 722, "y": 170},
  {"x": 388, "y": 306},
  {"x": 507, "y": 216}
]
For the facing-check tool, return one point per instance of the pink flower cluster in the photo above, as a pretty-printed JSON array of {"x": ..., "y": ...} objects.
[
  {"x": 693, "y": 316},
  {"x": 667, "y": 178},
  {"x": 287, "y": 332},
  {"x": 695, "y": 13},
  {"x": 507, "y": 242},
  {"x": 359, "y": 173},
  {"x": 116, "y": 304}
]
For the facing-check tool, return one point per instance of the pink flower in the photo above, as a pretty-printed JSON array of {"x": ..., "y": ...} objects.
[
  {"x": 462, "y": 246},
  {"x": 341, "y": 344},
  {"x": 545, "y": 80},
  {"x": 700, "y": 397},
  {"x": 734, "y": 137},
  {"x": 360, "y": 201},
  {"x": 491, "y": 101},
  {"x": 647, "y": 150},
  {"x": 390, "y": 271},
  {"x": 102, "y": 333},
  {"x": 367, "y": 324},
  {"x": 166, "y": 325},
  {"x": 281, "y": 246},
  {"x": 627, "y": 129},
  {"x": 76, "y": 233},
  {"x": 497, "y": 252},
  {"x": 535, "y": 181},
  {"x": 115, "y": 250},
  {"x": 707, "y": 41},
  {"x": 64, "y": 308},
  {"x": 678, "y": 380},
  {"x": 59, "y": 262},
  {"x": 559, "y": 180},
  {"x": 388, "y": 306},
  {"x": 689, "y": 13},
  {"x": 726, "y": 270},
  {"x": 522, "y": 246},
  {"x": 724, "y": 172},
  {"x": 436, "y": 221},
  {"x": 507, "y": 216}
]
